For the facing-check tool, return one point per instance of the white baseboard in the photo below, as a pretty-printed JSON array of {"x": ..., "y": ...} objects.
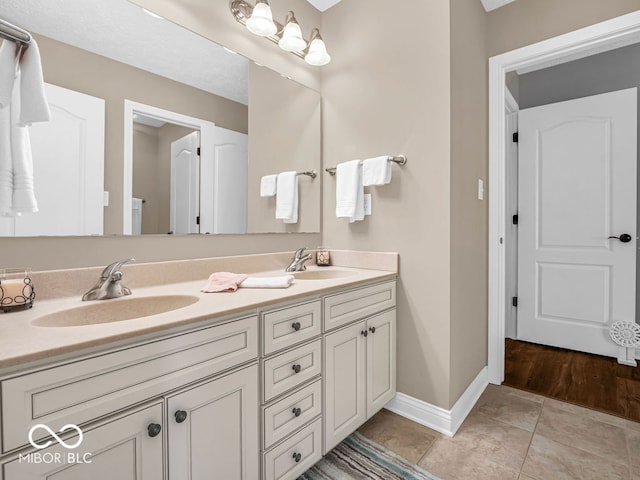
[{"x": 444, "y": 421}]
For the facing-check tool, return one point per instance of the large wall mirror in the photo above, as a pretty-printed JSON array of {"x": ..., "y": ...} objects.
[{"x": 157, "y": 130}]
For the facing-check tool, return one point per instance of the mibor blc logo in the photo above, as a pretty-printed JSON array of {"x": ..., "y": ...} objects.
[{"x": 55, "y": 457}]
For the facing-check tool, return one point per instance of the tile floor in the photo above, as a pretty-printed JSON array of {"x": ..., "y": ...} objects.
[{"x": 512, "y": 434}]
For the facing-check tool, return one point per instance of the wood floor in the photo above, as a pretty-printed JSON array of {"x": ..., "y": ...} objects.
[{"x": 580, "y": 378}]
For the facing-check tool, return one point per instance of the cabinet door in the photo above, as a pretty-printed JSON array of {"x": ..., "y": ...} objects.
[
  {"x": 119, "y": 449},
  {"x": 381, "y": 360},
  {"x": 345, "y": 374},
  {"x": 213, "y": 429}
]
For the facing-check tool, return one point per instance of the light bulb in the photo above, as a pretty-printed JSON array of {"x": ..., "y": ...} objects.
[
  {"x": 317, "y": 54},
  {"x": 261, "y": 20},
  {"x": 292, "y": 40}
]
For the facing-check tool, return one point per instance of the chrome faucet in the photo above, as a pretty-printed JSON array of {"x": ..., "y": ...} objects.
[
  {"x": 297, "y": 262},
  {"x": 108, "y": 285}
]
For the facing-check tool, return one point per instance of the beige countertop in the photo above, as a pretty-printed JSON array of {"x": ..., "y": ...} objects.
[{"x": 22, "y": 341}]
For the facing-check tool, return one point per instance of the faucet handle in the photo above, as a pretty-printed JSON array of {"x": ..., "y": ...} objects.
[
  {"x": 299, "y": 252},
  {"x": 111, "y": 270}
]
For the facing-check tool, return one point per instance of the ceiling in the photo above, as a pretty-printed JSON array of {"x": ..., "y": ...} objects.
[
  {"x": 122, "y": 31},
  {"x": 488, "y": 5},
  {"x": 322, "y": 5},
  {"x": 493, "y": 4}
]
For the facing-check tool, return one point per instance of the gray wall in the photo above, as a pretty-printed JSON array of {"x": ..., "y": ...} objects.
[{"x": 606, "y": 72}]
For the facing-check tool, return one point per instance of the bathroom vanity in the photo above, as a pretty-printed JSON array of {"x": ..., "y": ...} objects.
[{"x": 253, "y": 384}]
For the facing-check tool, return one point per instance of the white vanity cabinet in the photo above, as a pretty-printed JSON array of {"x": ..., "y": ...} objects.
[
  {"x": 259, "y": 396},
  {"x": 359, "y": 359}
]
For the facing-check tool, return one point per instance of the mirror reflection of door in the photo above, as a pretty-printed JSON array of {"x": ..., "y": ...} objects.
[
  {"x": 68, "y": 175},
  {"x": 185, "y": 177},
  {"x": 153, "y": 177},
  {"x": 179, "y": 187}
]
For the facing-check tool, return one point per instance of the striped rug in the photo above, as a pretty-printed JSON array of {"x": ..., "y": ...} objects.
[{"x": 358, "y": 458}]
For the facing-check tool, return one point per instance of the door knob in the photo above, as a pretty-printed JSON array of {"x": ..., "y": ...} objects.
[{"x": 624, "y": 238}]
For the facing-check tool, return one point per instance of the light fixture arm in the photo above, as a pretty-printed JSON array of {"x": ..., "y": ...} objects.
[{"x": 242, "y": 10}]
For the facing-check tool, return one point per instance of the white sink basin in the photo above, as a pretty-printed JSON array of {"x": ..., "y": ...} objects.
[
  {"x": 322, "y": 274},
  {"x": 115, "y": 310}
]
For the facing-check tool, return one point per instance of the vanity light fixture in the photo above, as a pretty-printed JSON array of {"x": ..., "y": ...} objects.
[{"x": 259, "y": 20}]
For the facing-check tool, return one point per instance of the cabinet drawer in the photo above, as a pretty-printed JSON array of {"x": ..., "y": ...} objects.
[
  {"x": 305, "y": 446},
  {"x": 86, "y": 389},
  {"x": 347, "y": 307},
  {"x": 289, "y": 326},
  {"x": 280, "y": 419},
  {"x": 288, "y": 370}
]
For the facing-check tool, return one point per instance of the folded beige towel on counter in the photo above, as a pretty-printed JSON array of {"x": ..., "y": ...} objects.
[{"x": 281, "y": 281}]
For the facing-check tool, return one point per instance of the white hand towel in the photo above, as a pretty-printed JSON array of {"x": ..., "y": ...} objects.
[
  {"x": 282, "y": 281},
  {"x": 33, "y": 102},
  {"x": 6, "y": 163},
  {"x": 268, "y": 185},
  {"x": 8, "y": 65},
  {"x": 24, "y": 200},
  {"x": 349, "y": 191},
  {"x": 287, "y": 197},
  {"x": 376, "y": 171}
]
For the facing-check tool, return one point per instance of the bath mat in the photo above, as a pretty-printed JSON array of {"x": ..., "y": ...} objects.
[{"x": 358, "y": 458}]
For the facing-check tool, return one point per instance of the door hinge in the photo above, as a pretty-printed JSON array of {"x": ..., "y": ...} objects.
[
  {"x": 198, "y": 151},
  {"x": 198, "y": 220},
  {"x": 514, "y": 219},
  {"x": 514, "y": 301},
  {"x": 515, "y": 137}
]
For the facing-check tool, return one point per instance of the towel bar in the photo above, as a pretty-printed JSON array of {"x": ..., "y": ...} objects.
[
  {"x": 399, "y": 159},
  {"x": 308, "y": 173},
  {"x": 15, "y": 34}
]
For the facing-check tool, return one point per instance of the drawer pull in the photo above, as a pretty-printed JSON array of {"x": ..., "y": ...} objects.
[
  {"x": 297, "y": 411},
  {"x": 181, "y": 416},
  {"x": 296, "y": 326},
  {"x": 364, "y": 333},
  {"x": 296, "y": 368},
  {"x": 372, "y": 329},
  {"x": 297, "y": 457},
  {"x": 154, "y": 429}
]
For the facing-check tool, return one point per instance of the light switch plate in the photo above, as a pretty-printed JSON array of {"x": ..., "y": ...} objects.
[
  {"x": 480, "y": 189},
  {"x": 105, "y": 198},
  {"x": 367, "y": 204}
]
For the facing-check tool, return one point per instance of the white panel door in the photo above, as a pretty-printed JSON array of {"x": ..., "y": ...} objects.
[
  {"x": 577, "y": 187},
  {"x": 68, "y": 175},
  {"x": 120, "y": 449},
  {"x": 185, "y": 174},
  {"x": 381, "y": 361},
  {"x": 345, "y": 374},
  {"x": 224, "y": 183}
]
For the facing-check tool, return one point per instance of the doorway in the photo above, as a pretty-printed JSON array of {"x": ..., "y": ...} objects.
[
  {"x": 216, "y": 179},
  {"x": 624, "y": 30}
]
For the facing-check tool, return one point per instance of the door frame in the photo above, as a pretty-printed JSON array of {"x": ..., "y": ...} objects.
[
  {"x": 130, "y": 108},
  {"x": 614, "y": 33}
]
